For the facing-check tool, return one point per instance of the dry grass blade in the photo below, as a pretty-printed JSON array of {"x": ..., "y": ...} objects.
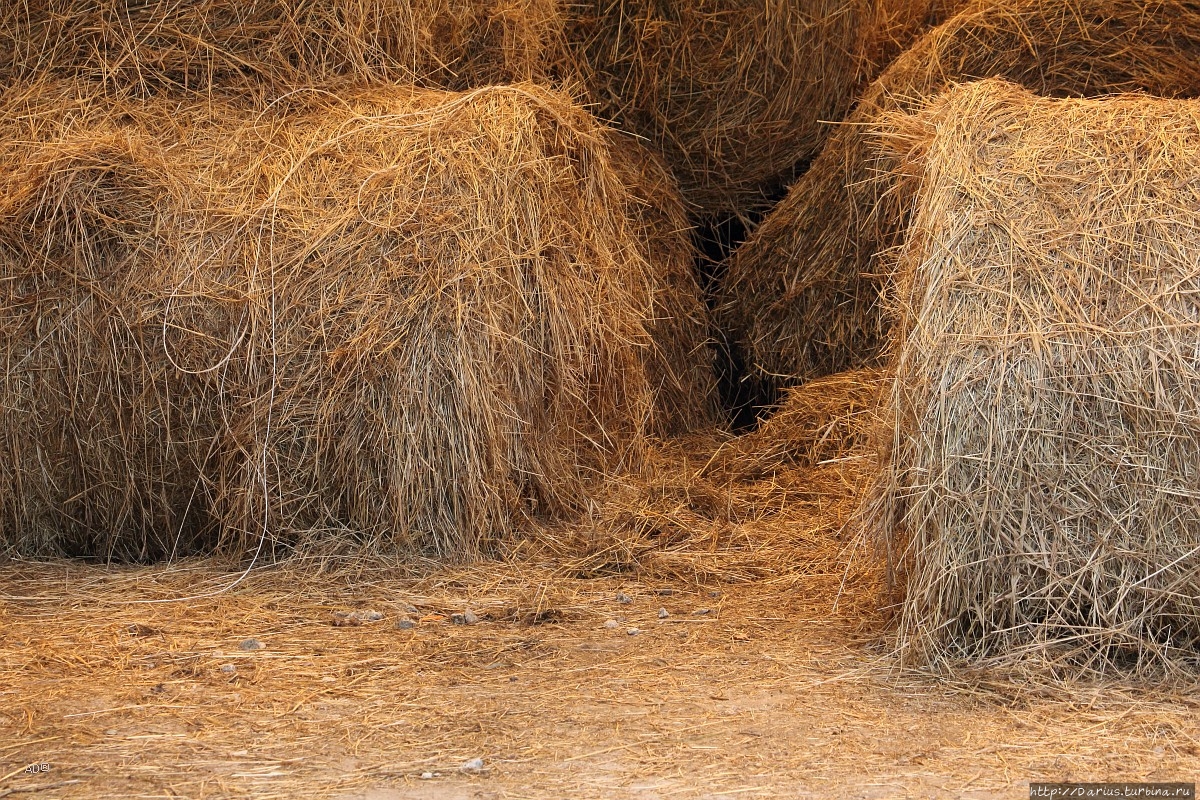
[
  {"x": 802, "y": 294},
  {"x": 1039, "y": 457}
]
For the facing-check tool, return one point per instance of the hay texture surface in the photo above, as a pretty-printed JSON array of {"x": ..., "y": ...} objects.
[
  {"x": 407, "y": 317},
  {"x": 198, "y": 44},
  {"x": 1040, "y": 475},
  {"x": 801, "y": 296},
  {"x": 731, "y": 92}
]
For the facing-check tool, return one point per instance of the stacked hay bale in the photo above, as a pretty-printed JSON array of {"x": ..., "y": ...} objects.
[
  {"x": 409, "y": 317},
  {"x": 278, "y": 45},
  {"x": 1038, "y": 480},
  {"x": 801, "y": 296},
  {"x": 733, "y": 93}
]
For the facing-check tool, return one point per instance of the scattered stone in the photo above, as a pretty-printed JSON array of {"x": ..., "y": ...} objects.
[
  {"x": 352, "y": 619},
  {"x": 634, "y": 631},
  {"x": 139, "y": 630},
  {"x": 251, "y": 644},
  {"x": 663, "y": 613},
  {"x": 426, "y": 776},
  {"x": 111, "y": 732},
  {"x": 473, "y": 767},
  {"x": 714, "y": 594},
  {"x": 664, "y": 592},
  {"x": 624, "y": 598},
  {"x": 405, "y": 624},
  {"x": 228, "y": 669},
  {"x": 465, "y": 618},
  {"x": 700, "y": 612},
  {"x": 611, "y": 624}
]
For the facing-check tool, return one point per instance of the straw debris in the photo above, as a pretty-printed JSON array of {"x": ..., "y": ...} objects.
[
  {"x": 1038, "y": 458},
  {"x": 802, "y": 294}
]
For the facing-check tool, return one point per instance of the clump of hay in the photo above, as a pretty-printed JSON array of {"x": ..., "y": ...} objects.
[
  {"x": 409, "y": 317},
  {"x": 801, "y": 296},
  {"x": 733, "y": 93},
  {"x": 1040, "y": 452},
  {"x": 198, "y": 44},
  {"x": 825, "y": 419}
]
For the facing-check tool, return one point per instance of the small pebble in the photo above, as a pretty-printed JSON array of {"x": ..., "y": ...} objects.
[
  {"x": 251, "y": 644},
  {"x": 700, "y": 612},
  {"x": 465, "y": 618},
  {"x": 714, "y": 593},
  {"x": 611, "y": 624},
  {"x": 473, "y": 766},
  {"x": 371, "y": 616},
  {"x": 228, "y": 669},
  {"x": 663, "y": 613},
  {"x": 426, "y": 776},
  {"x": 623, "y": 598},
  {"x": 111, "y": 732},
  {"x": 405, "y": 624},
  {"x": 634, "y": 631}
]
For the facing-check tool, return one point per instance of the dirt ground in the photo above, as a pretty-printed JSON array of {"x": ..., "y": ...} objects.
[{"x": 757, "y": 689}]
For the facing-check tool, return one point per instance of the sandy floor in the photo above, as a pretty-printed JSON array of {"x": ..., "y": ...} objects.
[{"x": 751, "y": 690}]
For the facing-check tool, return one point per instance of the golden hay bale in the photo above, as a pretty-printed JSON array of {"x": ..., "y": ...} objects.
[
  {"x": 411, "y": 316},
  {"x": 1040, "y": 450},
  {"x": 732, "y": 92},
  {"x": 801, "y": 294},
  {"x": 198, "y": 44}
]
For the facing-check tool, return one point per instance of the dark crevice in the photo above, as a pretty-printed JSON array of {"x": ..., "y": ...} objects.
[{"x": 745, "y": 398}]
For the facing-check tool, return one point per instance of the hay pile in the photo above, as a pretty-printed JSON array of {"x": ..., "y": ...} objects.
[
  {"x": 407, "y": 317},
  {"x": 732, "y": 92},
  {"x": 1039, "y": 481},
  {"x": 143, "y": 47},
  {"x": 802, "y": 294}
]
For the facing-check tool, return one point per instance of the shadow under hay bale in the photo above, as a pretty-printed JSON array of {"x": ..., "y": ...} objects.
[
  {"x": 802, "y": 294},
  {"x": 278, "y": 44},
  {"x": 1040, "y": 451},
  {"x": 411, "y": 319},
  {"x": 733, "y": 93}
]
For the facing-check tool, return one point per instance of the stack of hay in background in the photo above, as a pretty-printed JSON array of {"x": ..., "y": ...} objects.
[
  {"x": 801, "y": 296},
  {"x": 1039, "y": 475}
]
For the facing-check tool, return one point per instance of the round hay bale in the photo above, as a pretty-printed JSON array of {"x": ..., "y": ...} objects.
[
  {"x": 279, "y": 44},
  {"x": 1040, "y": 446},
  {"x": 732, "y": 93},
  {"x": 801, "y": 295},
  {"x": 407, "y": 317}
]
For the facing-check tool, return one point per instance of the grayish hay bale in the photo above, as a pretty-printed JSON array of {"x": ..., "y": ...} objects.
[{"x": 1039, "y": 475}]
